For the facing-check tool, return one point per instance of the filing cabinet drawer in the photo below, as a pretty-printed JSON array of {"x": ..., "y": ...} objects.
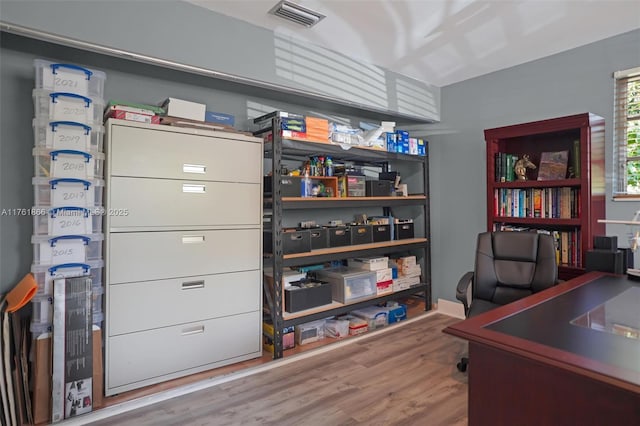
[
  {"x": 172, "y": 155},
  {"x": 178, "y": 203},
  {"x": 148, "y": 355},
  {"x": 146, "y": 256},
  {"x": 179, "y": 301}
]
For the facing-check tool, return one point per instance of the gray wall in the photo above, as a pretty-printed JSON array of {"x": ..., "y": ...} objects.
[{"x": 575, "y": 81}]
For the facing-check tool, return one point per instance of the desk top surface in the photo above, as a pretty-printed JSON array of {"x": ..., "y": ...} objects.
[{"x": 589, "y": 322}]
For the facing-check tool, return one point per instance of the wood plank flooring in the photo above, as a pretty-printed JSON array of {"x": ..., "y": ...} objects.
[{"x": 403, "y": 376}]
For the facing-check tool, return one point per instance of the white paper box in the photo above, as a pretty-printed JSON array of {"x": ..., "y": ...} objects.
[{"x": 184, "y": 109}]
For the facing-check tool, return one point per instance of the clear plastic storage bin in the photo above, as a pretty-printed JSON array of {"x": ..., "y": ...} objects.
[
  {"x": 66, "y": 248},
  {"x": 97, "y": 296},
  {"x": 59, "y": 77},
  {"x": 349, "y": 284},
  {"x": 45, "y": 274},
  {"x": 68, "y": 135},
  {"x": 66, "y": 220},
  {"x": 68, "y": 192},
  {"x": 65, "y": 106},
  {"x": 68, "y": 163},
  {"x": 38, "y": 328}
]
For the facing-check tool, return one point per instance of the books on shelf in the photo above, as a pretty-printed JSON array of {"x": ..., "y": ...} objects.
[
  {"x": 553, "y": 165},
  {"x": 545, "y": 203}
]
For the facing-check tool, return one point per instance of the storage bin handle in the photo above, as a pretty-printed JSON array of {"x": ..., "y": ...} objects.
[
  {"x": 55, "y": 210},
  {"x": 54, "y": 240},
  {"x": 54, "y": 69},
  {"x": 295, "y": 237},
  {"x": 56, "y": 95},
  {"x": 54, "y": 182},
  {"x": 54, "y": 124},
  {"x": 55, "y": 268},
  {"x": 54, "y": 154}
]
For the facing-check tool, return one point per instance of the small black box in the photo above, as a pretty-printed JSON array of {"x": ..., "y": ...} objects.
[
  {"x": 388, "y": 176},
  {"x": 381, "y": 233},
  {"x": 306, "y": 294},
  {"x": 293, "y": 241},
  {"x": 379, "y": 188},
  {"x": 606, "y": 261},
  {"x": 338, "y": 236},
  {"x": 319, "y": 238},
  {"x": 605, "y": 243},
  {"x": 403, "y": 230},
  {"x": 360, "y": 234},
  {"x": 290, "y": 186}
]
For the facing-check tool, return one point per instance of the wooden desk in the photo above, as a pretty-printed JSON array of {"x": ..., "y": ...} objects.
[{"x": 529, "y": 364}]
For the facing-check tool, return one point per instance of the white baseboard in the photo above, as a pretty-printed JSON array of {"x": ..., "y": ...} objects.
[{"x": 453, "y": 309}]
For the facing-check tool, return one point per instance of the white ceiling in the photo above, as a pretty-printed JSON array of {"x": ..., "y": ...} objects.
[{"x": 445, "y": 41}]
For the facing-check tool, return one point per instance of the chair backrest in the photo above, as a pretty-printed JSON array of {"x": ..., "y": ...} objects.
[{"x": 513, "y": 265}]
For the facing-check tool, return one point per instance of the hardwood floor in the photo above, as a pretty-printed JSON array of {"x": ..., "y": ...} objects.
[{"x": 405, "y": 375}]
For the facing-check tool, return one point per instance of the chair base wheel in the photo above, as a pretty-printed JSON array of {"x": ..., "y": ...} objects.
[{"x": 462, "y": 365}]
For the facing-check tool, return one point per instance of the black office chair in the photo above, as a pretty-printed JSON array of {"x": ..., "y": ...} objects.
[{"x": 509, "y": 266}]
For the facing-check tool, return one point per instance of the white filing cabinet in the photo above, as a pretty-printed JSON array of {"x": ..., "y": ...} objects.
[{"x": 183, "y": 249}]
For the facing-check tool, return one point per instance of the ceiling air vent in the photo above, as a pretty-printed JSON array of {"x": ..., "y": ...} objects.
[{"x": 296, "y": 13}]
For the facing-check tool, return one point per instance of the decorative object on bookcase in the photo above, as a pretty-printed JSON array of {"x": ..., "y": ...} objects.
[
  {"x": 566, "y": 207},
  {"x": 553, "y": 165},
  {"x": 521, "y": 167}
]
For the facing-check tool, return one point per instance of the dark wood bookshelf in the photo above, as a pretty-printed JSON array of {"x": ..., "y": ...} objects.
[{"x": 582, "y": 135}]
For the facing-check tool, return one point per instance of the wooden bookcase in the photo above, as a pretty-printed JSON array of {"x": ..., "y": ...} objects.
[{"x": 568, "y": 207}]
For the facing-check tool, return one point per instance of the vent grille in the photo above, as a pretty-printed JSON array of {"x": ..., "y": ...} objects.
[{"x": 295, "y": 13}]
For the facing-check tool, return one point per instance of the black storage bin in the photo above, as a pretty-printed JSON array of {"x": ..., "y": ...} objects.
[
  {"x": 403, "y": 230},
  {"x": 379, "y": 188},
  {"x": 306, "y": 294},
  {"x": 293, "y": 241},
  {"x": 360, "y": 234},
  {"x": 380, "y": 233},
  {"x": 319, "y": 238},
  {"x": 290, "y": 186},
  {"x": 338, "y": 236}
]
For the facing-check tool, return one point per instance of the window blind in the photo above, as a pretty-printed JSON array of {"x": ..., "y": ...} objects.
[{"x": 626, "y": 133}]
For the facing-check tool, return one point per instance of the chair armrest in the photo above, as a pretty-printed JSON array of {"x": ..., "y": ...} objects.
[{"x": 462, "y": 289}]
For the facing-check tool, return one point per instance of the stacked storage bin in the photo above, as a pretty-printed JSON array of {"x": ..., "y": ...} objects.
[{"x": 68, "y": 183}]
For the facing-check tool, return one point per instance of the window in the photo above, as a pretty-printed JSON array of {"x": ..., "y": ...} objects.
[{"x": 626, "y": 133}]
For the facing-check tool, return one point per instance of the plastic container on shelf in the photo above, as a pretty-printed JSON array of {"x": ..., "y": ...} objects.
[
  {"x": 67, "y": 163},
  {"x": 66, "y": 220},
  {"x": 42, "y": 309},
  {"x": 67, "y": 106},
  {"x": 96, "y": 297},
  {"x": 68, "y": 135},
  {"x": 66, "y": 248},
  {"x": 69, "y": 192},
  {"x": 60, "y": 77},
  {"x": 46, "y": 274}
]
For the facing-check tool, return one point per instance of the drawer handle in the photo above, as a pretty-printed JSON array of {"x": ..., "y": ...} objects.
[
  {"x": 192, "y": 239},
  {"x": 295, "y": 237},
  {"x": 193, "y": 330},
  {"x": 361, "y": 231},
  {"x": 191, "y": 285},
  {"x": 339, "y": 232},
  {"x": 194, "y": 168},
  {"x": 315, "y": 234},
  {"x": 193, "y": 189}
]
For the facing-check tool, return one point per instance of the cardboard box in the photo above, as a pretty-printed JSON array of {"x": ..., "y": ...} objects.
[
  {"x": 370, "y": 263},
  {"x": 185, "y": 109},
  {"x": 384, "y": 287},
  {"x": 356, "y": 325},
  {"x": 126, "y": 114},
  {"x": 41, "y": 366},
  {"x": 383, "y": 275}
]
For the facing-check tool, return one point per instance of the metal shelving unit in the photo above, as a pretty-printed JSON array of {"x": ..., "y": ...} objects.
[{"x": 275, "y": 207}]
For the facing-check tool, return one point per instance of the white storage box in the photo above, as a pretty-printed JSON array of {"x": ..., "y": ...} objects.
[
  {"x": 45, "y": 274},
  {"x": 376, "y": 316},
  {"x": 370, "y": 263},
  {"x": 67, "y": 163},
  {"x": 59, "y": 77},
  {"x": 66, "y": 248},
  {"x": 348, "y": 285},
  {"x": 64, "y": 106},
  {"x": 68, "y": 135},
  {"x": 68, "y": 192},
  {"x": 67, "y": 221}
]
